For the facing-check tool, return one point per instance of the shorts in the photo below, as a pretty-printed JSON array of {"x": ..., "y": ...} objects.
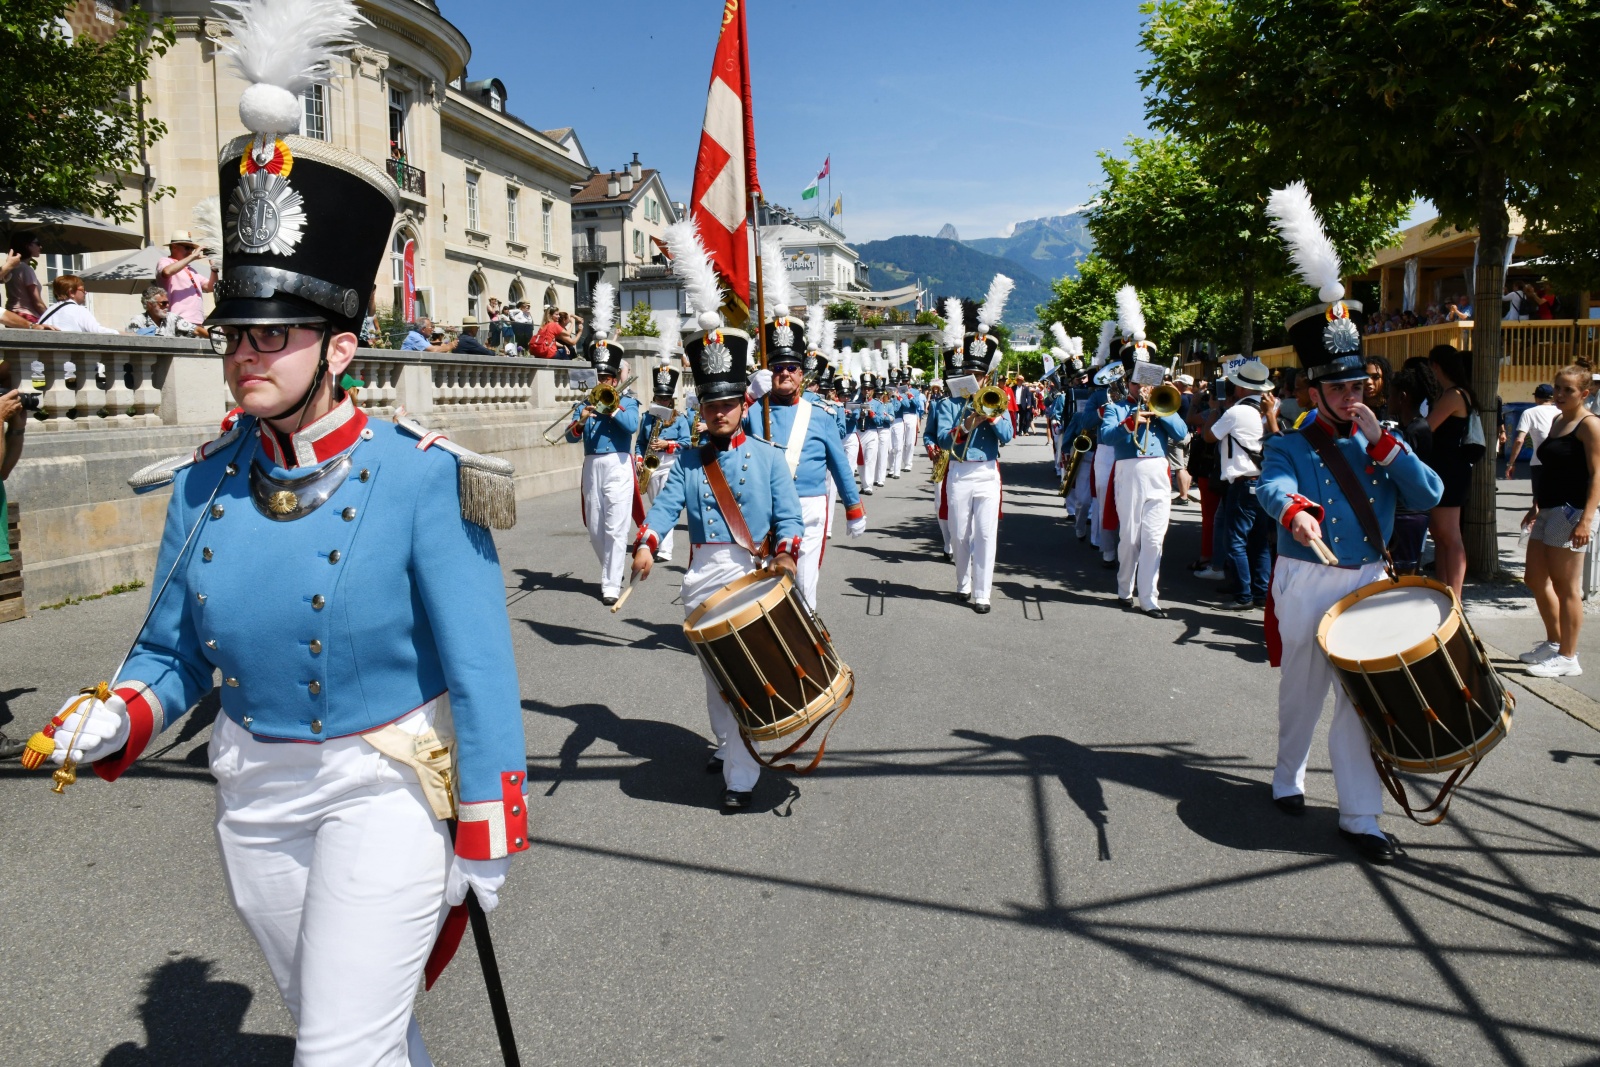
[
  {"x": 1555, "y": 526},
  {"x": 1178, "y": 456}
]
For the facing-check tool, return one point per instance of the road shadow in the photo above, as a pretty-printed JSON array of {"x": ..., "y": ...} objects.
[
  {"x": 6, "y": 697},
  {"x": 193, "y": 1020}
]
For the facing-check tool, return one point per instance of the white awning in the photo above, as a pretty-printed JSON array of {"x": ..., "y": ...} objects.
[{"x": 884, "y": 300}]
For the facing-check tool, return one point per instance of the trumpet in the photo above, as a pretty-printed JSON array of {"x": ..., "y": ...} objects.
[
  {"x": 603, "y": 397},
  {"x": 1160, "y": 401},
  {"x": 1082, "y": 445},
  {"x": 990, "y": 402}
]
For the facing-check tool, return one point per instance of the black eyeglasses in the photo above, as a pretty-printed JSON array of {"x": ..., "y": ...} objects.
[{"x": 266, "y": 339}]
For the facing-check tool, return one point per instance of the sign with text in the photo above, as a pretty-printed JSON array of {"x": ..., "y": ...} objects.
[{"x": 1148, "y": 373}]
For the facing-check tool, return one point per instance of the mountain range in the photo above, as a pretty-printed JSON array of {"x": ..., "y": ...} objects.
[{"x": 1049, "y": 247}]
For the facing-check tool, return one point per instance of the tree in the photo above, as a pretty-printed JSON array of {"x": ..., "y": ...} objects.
[
  {"x": 1081, "y": 303},
  {"x": 73, "y": 118},
  {"x": 1192, "y": 215},
  {"x": 640, "y": 323},
  {"x": 1471, "y": 105}
]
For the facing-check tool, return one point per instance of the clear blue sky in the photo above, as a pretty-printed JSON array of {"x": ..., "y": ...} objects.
[{"x": 975, "y": 112}]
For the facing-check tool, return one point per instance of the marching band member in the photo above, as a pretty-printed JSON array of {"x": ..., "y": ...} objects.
[
  {"x": 1080, "y": 494},
  {"x": 663, "y": 433},
  {"x": 896, "y": 401},
  {"x": 609, "y": 494},
  {"x": 1143, "y": 484},
  {"x": 873, "y": 426},
  {"x": 915, "y": 411},
  {"x": 974, "y": 442},
  {"x": 752, "y": 475},
  {"x": 1301, "y": 490},
  {"x": 340, "y": 577},
  {"x": 1104, "y": 458},
  {"x": 943, "y": 412}
]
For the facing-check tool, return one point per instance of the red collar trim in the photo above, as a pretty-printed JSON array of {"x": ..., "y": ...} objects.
[
  {"x": 330, "y": 435},
  {"x": 737, "y": 440}
]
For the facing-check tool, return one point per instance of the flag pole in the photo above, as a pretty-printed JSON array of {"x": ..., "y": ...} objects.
[{"x": 761, "y": 314}]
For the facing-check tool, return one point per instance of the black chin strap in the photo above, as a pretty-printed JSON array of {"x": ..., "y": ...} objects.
[{"x": 316, "y": 382}]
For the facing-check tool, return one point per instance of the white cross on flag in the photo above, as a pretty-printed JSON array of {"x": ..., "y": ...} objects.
[{"x": 725, "y": 171}]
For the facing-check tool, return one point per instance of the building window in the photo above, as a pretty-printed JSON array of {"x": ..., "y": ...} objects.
[
  {"x": 314, "y": 112},
  {"x": 638, "y": 244},
  {"x": 397, "y": 267},
  {"x": 511, "y": 213},
  {"x": 55, "y": 265},
  {"x": 398, "y": 106},
  {"x": 516, "y": 294},
  {"x": 472, "y": 201},
  {"x": 547, "y": 220},
  {"x": 475, "y": 289}
]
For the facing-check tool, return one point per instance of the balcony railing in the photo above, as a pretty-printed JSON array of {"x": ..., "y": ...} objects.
[
  {"x": 584, "y": 253},
  {"x": 408, "y": 178}
]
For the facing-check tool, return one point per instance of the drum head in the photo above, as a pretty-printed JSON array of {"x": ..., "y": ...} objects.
[
  {"x": 738, "y": 601},
  {"x": 1388, "y": 622}
]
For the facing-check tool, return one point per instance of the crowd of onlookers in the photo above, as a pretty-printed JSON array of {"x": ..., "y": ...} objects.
[
  {"x": 1520, "y": 301},
  {"x": 173, "y": 306}
]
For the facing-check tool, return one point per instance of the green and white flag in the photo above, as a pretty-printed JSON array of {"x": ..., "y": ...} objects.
[{"x": 810, "y": 191}]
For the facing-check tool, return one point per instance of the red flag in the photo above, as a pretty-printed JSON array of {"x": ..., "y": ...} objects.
[
  {"x": 826, "y": 163},
  {"x": 725, "y": 172}
]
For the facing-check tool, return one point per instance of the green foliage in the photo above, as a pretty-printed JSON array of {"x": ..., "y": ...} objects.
[
  {"x": 925, "y": 354},
  {"x": 1081, "y": 303},
  {"x": 844, "y": 311},
  {"x": 896, "y": 316},
  {"x": 872, "y": 322},
  {"x": 928, "y": 318},
  {"x": 640, "y": 323},
  {"x": 70, "y": 114},
  {"x": 1220, "y": 320}
]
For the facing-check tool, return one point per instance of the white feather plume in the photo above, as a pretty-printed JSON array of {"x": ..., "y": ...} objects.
[
  {"x": 780, "y": 295},
  {"x": 1130, "y": 314},
  {"x": 1076, "y": 348},
  {"x": 905, "y": 353},
  {"x": 1062, "y": 340},
  {"x": 1102, "y": 350},
  {"x": 994, "y": 304},
  {"x": 282, "y": 47},
  {"x": 849, "y": 363},
  {"x": 691, "y": 264},
  {"x": 671, "y": 328},
  {"x": 1314, "y": 256},
  {"x": 955, "y": 326},
  {"x": 816, "y": 315},
  {"x": 604, "y": 315},
  {"x": 206, "y": 218},
  {"x": 830, "y": 337}
]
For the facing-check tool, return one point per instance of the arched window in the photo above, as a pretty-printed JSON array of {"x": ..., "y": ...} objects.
[
  {"x": 475, "y": 288},
  {"x": 516, "y": 294},
  {"x": 397, "y": 266},
  {"x": 551, "y": 299}
]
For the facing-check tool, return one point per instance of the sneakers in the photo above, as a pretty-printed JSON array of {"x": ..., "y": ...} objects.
[
  {"x": 1210, "y": 574},
  {"x": 1557, "y": 666},
  {"x": 1540, "y": 652}
]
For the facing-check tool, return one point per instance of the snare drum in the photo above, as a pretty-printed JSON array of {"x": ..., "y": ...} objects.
[
  {"x": 1420, "y": 680},
  {"x": 772, "y": 659}
]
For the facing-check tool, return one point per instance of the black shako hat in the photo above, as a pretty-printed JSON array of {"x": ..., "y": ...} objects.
[
  {"x": 305, "y": 227},
  {"x": 825, "y": 376},
  {"x": 978, "y": 352},
  {"x": 786, "y": 341},
  {"x": 719, "y": 363},
  {"x": 606, "y": 357},
  {"x": 811, "y": 365},
  {"x": 663, "y": 383},
  {"x": 1327, "y": 340}
]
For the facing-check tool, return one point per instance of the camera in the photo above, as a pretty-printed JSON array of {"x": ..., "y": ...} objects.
[{"x": 29, "y": 401}]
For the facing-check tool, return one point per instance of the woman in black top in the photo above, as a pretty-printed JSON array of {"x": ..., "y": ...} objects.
[
  {"x": 1562, "y": 523},
  {"x": 1409, "y": 390},
  {"x": 1447, "y": 417}
]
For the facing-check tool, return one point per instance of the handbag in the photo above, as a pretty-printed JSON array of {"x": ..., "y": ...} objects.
[{"x": 1473, "y": 445}]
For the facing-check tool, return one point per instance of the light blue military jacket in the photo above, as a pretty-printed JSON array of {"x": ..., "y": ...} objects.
[
  {"x": 939, "y": 412},
  {"x": 1162, "y": 432},
  {"x": 986, "y": 441},
  {"x": 1056, "y": 407},
  {"x": 759, "y": 479},
  {"x": 821, "y": 455},
  {"x": 919, "y": 402},
  {"x": 1294, "y": 479},
  {"x": 876, "y": 415},
  {"x": 677, "y": 432},
  {"x": 605, "y": 434}
]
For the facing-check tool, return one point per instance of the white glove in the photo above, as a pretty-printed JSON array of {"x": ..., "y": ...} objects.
[
  {"x": 483, "y": 877},
  {"x": 104, "y": 732},
  {"x": 857, "y": 527},
  {"x": 760, "y": 384}
]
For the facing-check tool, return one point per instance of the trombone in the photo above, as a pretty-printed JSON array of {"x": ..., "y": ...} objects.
[
  {"x": 988, "y": 403},
  {"x": 1160, "y": 401}
]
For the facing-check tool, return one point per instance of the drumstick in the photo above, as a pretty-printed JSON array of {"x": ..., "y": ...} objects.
[
  {"x": 1324, "y": 553},
  {"x": 623, "y": 599}
]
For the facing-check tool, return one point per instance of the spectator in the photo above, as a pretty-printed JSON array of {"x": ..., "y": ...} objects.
[
  {"x": 1534, "y": 427},
  {"x": 523, "y": 313},
  {"x": 552, "y": 337},
  {"x": 1451, "y": 459},
  {"x": 468, "y": 344},
  {"x": 496, "y": 319},
  {"x": 1247, "y": 531},
  {"x": 10, "y": 320},
  {"x": 1512, "y": 298},
  {"x": 1410, "y": 390},
  {"x": 423, "y": 338},
  {"x": 1460, "y": 310},
  {"x": 158, "y": 320},
  {"x": 68, "y": 312},
  {"x": 1206, "y": 469},
  {"x": 1178, "y": 454},
  {"x": 1544, "y": 303},
  {"x": 13, "y": 422},
  {"x": 1561, "y": 524},
  {"x": 23, "y": 295},
  {"x": 183, "y": 284},
  {"x": 1378, "y": 374}
]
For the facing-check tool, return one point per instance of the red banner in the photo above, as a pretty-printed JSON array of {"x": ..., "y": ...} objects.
[
  {"x": 408, "y": 299},
  {"x": 725, "y": 171}
]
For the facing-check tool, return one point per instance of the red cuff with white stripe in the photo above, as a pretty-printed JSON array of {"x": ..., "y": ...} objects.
[
  {"x": 857, "y": 512},
  {"x": 789, "y": 546},
  {"x": 648, "y": 538},
  {"x": 1297, "y": 504},
  {"x": 1384, "y": 449},
  {"x": 1130, "y": 424},
  {"x": 575, "y": 430},
  {"x": 492, "y": 829},
  {"x": 145, "y": 720}
]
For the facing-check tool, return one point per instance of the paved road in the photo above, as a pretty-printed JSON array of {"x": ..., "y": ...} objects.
[{"x": 1042, "y": 836}]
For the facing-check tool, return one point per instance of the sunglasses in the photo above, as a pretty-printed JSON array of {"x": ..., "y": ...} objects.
[{"x": 266, "y": 340}]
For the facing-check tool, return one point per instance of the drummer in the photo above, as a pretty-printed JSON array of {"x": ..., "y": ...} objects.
[
  {"x": 768, "y": 515},
  {"x": 1300, "y": 491}
]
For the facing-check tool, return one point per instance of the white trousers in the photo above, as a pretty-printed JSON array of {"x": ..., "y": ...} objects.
[
  {"x": 974, "y": 495},
  {"x": 337, "y": 867},
  {"x": 1301, "y": 594},
  {"x": 1078, "y": 494},
  {"x": 607, "y": 510},
  {"x": 869, "y": 459},
  {"x": 710, "y": 568},
  {"x": 885, "y": 450},
  {"x": 658, "y": 481},
  {"x": 1144, "y": 507},
  {"x": 852, "y": 451},
  {"x": 814, "y": 509},
  {"x": 1104, "y": 460},
  {"x": 897, "y": 443},
  {"x": 833, "y": 501},
  {"x": 909, "y": 445}
]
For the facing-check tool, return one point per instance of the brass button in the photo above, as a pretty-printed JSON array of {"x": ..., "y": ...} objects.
[
  {"x": 316, "y": 647},
  {"x": 317, "y": 602},
  {"x": 232, "y": 469},
  {"x": 200, "y": 597},
  {"x": 365, "y": 474},
  {"x": 348, "y": 514},
  {"x": 1333, "y": 520},
  {"x": 316, "y": 726},
  {"x": 216, "y": 511},
  {"x": 246, "y": 721},
  {"x": 231, "y": 682},
  {"x": 205, "y": 554},
  {"x": 314, "y": 687},
  {"x": 212, "y": 644},
  {"x": 333, "y": 557}
]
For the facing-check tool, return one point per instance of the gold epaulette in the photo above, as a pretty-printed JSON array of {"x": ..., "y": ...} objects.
[
  {"x": 487, "y": 485},
  {"x": 162, "y": 472}
]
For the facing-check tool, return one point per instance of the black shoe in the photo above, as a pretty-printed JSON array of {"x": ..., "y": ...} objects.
[
  {"x": 1291, "y": 805},
  {"x": 1127, "y": 603},
  {"x": 949, "y": 558},
  {"x": 1237, "y": 605},
  {"x": 1262, "y": 603},
  {"x": 1158, "y": 613},
  {"x": 11, "y": 748},
  {"x": 1108, "y": 564},
  {"x": 981, "y": 609},
  {"x": 735, "y": 800},
  {"x": 1373, "y": 847},
  {"x": 714, "y": 766},
  {"x": 608, "y": 600},
  {"x": 1199, "y": 565}
]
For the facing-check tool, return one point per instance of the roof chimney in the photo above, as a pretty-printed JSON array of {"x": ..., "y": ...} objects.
[
  {"x": 611, "y": 185},
  {"x": 635, "y": 169},
  {"x": 627, "y": 180}
]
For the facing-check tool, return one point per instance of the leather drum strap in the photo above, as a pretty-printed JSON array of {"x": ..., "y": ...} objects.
[
  {"x": 1319, "y": 438},
  {"x": 729, "y": 506}
]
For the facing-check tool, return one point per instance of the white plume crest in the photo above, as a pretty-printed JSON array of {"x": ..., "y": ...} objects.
[
  {"x": 905, "y": 353},
  {"x": 691, "y": 264},
  {"x": 994, "y": 304},
  {"x": 1297, "y": 222},
  {"x": 671, "y": 327},
  {"x": 604, "y": 315},
  {"x": 816, "y": 315},
  {"x": 779, "y": 294},
  {"x": 1130, "y": 314},
  {"x": 1102, "y": 351},
  {"x": 1076, "y": 348},
  {"x": 955, "y": 326},
  {"x": 282, "y": 47},
  {"x": 830, "y": 337},
  {"x": 1062, "y": 340},
  {"x": 849, "y": 363},
  {"x": 206, "y": 218}
]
